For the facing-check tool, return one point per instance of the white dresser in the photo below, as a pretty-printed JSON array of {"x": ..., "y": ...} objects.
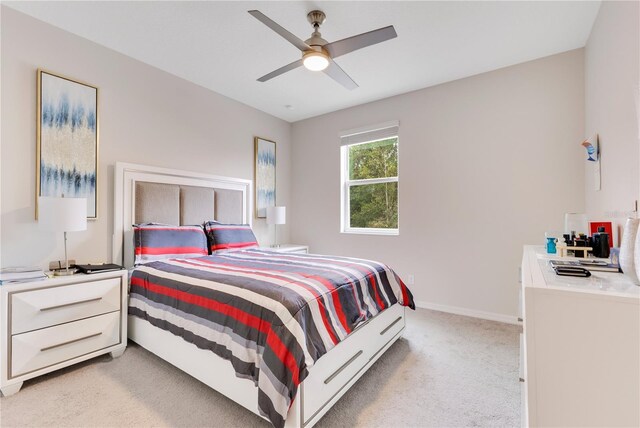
[
  {"x": 580, "y": 348},
  {"x": 50, "y": 324}
]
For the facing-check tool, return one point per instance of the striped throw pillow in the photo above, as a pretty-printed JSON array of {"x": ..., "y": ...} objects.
[
  {"x": 227, "y": 237},
  {"x": 155, "y": 241}
]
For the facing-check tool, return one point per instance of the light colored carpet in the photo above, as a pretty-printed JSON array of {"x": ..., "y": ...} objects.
[{"x": 447, "y": 371}]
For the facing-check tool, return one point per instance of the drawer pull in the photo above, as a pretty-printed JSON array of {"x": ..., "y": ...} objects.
[
  {"x": 64, "y": 305},
  {"x": 390, "y": 325},
  {"x": 342, "y": 367},
  {"x": 520, "y": 319},
  {"x": 521, "y": 380},
  {"x": 68, "y": 342}
]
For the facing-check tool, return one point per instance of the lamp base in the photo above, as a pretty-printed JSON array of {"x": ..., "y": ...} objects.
[{"x": 64, "y": 272}]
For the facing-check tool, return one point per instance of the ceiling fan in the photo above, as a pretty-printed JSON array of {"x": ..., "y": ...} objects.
[{"x": 317, "y": 53}]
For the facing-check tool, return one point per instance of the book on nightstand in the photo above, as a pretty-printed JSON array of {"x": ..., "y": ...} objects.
[
  {"x": 103, "y": 267},
  {"x": 14, "y": 275}
]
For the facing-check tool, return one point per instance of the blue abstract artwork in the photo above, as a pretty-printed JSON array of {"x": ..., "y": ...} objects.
[
  {"x": 265, "y": 176},
  {"x": 68, "y": 139}
]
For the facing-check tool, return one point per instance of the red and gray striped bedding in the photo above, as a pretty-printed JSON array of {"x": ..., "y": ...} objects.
[
  {"x": 154, "y": 241},
  {"x": 272, "y": 315},
  {"x": 225, "y": 237}
]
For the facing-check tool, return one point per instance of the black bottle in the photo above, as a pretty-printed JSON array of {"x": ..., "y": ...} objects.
[{"x": 601, "y": 243}]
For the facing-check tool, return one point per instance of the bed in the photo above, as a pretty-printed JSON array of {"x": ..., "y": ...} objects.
[{"x": 316, "y": 323}]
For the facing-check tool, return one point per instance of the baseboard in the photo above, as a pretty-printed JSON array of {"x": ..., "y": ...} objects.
[{"x": 492, "y": 316}]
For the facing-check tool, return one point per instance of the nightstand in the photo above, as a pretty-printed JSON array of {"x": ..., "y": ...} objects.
[
  {"x": 290, "y": 248},
  {"x": 54, "y": 323}
]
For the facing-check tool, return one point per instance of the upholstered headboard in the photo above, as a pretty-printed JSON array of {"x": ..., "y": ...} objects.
[
  {"x": 186, "y": 205},
  {"x": 145, "y": 194}
]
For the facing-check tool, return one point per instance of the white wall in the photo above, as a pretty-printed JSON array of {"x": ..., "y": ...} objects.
[
  {"x": 612, "y": 96},
  {"x": 487, "y": 164},
  {"x": 146, "y": 116}
]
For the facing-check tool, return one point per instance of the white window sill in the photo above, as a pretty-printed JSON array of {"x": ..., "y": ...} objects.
[{"x": 384, "y": 232}]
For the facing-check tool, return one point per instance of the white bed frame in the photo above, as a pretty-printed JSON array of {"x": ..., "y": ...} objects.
[{"x": 328, "y": 379}]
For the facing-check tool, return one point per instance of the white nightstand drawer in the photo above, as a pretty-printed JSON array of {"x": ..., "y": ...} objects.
[
  {"x": 41, "y": 348},
  {"x": 34, "y": 309}
]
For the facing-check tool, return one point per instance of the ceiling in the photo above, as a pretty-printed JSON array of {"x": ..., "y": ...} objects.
[{"x": 219, "y": 46}]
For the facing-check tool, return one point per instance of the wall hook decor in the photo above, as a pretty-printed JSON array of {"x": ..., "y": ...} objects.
[{"x": 593, "y": 148}]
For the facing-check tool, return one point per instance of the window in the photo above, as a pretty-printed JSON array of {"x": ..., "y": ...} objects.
[{"x": 370, "y": 181}]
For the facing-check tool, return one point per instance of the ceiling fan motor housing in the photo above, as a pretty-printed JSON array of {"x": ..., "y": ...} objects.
[
  {"x": 316, "y": 18},
  {"x": 317, "y": 58}
]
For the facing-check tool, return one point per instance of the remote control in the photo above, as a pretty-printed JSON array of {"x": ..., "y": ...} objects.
[{"x": 572, "y": 271}]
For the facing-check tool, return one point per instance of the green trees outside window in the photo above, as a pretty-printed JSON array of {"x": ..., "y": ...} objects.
[{"x": 372, "y": 184}]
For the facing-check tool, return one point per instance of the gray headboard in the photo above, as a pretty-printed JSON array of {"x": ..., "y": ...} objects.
[
  {"x": 185, "y": 205},
  {"x": 146, "y": 194}
]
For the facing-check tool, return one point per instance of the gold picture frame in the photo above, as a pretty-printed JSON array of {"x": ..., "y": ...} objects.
[
  {"x": 264, "y": 175},
  {"x": 67, "y": 139}
]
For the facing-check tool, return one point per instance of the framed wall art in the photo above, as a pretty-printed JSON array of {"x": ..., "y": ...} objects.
[
  {"x": 265, "y": 175},
  {"x": 67, "y": 140}
]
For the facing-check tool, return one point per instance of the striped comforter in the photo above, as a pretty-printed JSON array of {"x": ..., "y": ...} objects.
[{"x": 272, "y": 315}]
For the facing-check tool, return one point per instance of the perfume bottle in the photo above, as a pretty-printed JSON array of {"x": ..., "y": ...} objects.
[{"x": 601, "y": 243}]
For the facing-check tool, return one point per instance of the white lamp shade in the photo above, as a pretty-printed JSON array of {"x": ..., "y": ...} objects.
[
  {"x": 276, "y": 215},
  {"x": 62, "y": 214}
]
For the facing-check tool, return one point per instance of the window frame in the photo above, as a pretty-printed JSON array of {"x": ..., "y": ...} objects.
[{"x": 345, "y": 192}]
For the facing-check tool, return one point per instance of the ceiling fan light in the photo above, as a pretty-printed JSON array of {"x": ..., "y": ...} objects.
[{"x": 315, "y": 61}]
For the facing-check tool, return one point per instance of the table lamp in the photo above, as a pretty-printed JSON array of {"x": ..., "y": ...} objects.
[
  {"x": 62, "y": 215},
  {"x": 276, "y": 216}
]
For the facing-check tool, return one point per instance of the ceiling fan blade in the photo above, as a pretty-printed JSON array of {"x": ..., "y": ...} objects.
[
  {"x": 281, "y": 70},
  {"x": 360, "y": 41},
  {"x": 336, "y": 73},
  {"x": 290, "y": 37}
]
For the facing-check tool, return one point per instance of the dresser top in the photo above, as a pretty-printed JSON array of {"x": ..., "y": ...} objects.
[{"x": 538, "y": 273}]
